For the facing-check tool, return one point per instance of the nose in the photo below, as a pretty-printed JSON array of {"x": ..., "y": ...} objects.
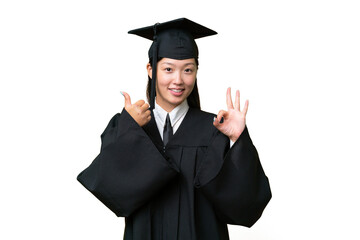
[{"x": 178, "y": 78}]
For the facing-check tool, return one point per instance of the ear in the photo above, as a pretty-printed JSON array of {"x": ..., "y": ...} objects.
[{"x": 149, "y": 70}]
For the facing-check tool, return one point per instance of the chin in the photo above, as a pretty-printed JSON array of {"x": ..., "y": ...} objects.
[{"x": 177, "y": 102}]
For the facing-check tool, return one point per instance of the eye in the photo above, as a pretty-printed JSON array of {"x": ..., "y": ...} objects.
[
  {"x": 188, "y": 70},
  {"x": 167, "y": 69}
]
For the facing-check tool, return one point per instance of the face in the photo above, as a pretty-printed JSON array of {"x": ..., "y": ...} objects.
[{"x": 175, "y": 81}]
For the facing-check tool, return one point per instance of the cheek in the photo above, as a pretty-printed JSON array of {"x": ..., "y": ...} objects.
[
  {"x": 162, "y": 83},
  {"x": 190, "y": 82}
]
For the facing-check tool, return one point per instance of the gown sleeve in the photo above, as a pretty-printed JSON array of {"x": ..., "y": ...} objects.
[
  {"x": 129, "y": 169},
  {"x": 233, "y": 180}
]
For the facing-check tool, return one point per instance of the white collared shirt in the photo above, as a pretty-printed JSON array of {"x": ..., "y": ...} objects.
[{"x": 177, "y": 115}]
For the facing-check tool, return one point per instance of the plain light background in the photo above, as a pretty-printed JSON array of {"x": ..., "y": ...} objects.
[{"x": 64, "y": 63}]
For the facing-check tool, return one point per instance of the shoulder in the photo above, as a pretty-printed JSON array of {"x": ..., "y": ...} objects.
[
  {"x": 196, "y": 129},
  {"x": 201, "y": 115},
  {"x": 199, "y": 125}
]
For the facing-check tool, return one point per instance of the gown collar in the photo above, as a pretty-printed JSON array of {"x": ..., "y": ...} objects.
[
  {"x": 175, "y": 115},
  {"x": 152, "y": 128}
]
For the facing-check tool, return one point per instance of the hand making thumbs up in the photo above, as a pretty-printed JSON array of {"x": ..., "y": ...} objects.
[{"x": 139, "y": 111}]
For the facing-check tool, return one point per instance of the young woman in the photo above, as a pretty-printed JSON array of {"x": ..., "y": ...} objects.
[{"x": 174, "y": 171}]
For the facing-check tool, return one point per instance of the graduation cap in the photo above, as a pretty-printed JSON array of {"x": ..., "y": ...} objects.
[{"x": 174, "y": 39}]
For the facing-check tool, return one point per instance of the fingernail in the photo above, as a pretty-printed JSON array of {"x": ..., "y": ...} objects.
[
  {"x": 121, "y": 93},
  {"x": 222, "y": 120},
  {"x": 214, "y": 119}
]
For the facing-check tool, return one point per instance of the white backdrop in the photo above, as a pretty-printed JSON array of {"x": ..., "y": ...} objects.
[{"x": 63, "y": 64}]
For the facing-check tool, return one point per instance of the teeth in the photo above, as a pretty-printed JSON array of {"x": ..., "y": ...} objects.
[{"x": 176, "y": 90}]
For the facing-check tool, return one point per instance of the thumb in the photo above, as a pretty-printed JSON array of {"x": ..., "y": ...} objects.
[{"x": 127, "y": 99}]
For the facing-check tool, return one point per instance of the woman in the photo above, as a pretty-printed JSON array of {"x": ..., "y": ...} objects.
[{"x": 174, "y": 171}]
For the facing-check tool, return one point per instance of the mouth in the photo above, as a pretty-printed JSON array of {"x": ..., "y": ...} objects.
[{"x": 177, "y": 91}]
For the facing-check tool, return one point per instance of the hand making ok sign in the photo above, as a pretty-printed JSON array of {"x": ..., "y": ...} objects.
[{"x": 234, "y": 119}]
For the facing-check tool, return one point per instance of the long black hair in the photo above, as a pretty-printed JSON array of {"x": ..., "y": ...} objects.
[{"x": 193, "y": 99}]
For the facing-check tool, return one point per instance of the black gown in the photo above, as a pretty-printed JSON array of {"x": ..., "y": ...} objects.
[{"x": 188, "y": 190}]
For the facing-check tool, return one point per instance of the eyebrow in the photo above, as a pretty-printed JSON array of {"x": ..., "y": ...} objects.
[{"x": 169, "y": 63}]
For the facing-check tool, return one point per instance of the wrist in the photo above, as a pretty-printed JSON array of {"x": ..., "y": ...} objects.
[{"x": 234, "y": 139}]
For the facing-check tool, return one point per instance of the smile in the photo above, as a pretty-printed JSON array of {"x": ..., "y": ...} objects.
[{"x": 176, "y": 92}]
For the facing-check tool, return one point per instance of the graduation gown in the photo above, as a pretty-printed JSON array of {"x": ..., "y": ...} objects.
[{"x": 188, "y": 190}]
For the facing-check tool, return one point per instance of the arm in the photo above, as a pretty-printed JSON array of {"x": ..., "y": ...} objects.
[
  {"x": 129, "y": 170},
  {"x": 233, "y": 180}
]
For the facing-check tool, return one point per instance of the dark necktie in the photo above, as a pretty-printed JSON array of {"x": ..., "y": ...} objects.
[{"x": 168, "y": 131}]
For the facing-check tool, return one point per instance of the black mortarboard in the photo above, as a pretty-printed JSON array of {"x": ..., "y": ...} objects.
[{"x": 173, "y": 39}]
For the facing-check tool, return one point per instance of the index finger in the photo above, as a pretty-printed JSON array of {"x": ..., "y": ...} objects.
[
  {"x": 139, "y": 103},
  {"x": 145, "y": 106},
  {"x": 229, "y": 102}
]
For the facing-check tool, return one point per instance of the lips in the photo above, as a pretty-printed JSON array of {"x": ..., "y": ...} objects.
[{"x": 176, "y": 91}]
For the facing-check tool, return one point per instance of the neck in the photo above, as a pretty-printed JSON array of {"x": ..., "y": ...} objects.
[{"x": 168, "y": 107}]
